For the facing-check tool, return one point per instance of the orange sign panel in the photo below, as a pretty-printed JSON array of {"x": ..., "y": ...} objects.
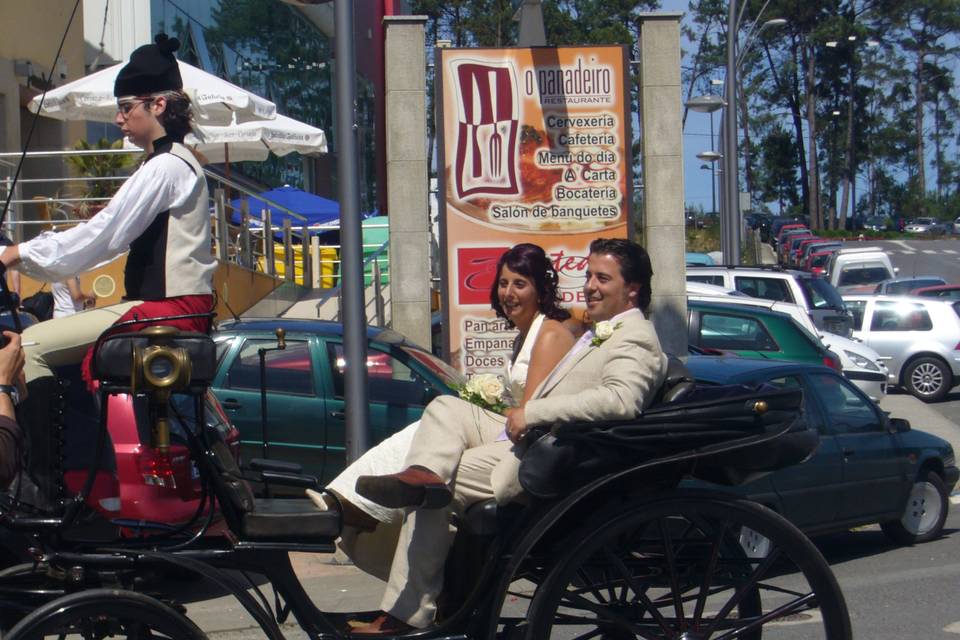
[{"x": 535, "y": 147}]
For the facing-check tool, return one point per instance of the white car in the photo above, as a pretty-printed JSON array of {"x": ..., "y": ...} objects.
[
  {"x": 925, "y": 225},
  {"x": 860, "y": 364},
  {"x": 917, "y": 337}
]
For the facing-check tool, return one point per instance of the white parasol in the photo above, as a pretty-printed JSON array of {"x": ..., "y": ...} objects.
[
  {"x": 215, "y": 101},
  {"x": 254, "y": 141}
]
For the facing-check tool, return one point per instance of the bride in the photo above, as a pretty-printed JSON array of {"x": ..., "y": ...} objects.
[{"x": 525, "y": 294}]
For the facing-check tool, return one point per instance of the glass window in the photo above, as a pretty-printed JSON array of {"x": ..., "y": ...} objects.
[
  {"x": 734, "y": 333},
  {"x": 862, "y": 274},
  {"x": 820, "y": 294},
  {"x": 389, "y": 380},
  {"x": 223, "y": 345},
  {"x": 850, "y": 412},
  {"x": 856, "y": 308},
  {"x": 288, "y": 371},
  {"x": 810, "y": 410},
  {"x": 900, "y": 316},
  {"x": 717, "y": 280},
  {"x": 906, "y": 286},
  {"x": 767, "y": 288}
]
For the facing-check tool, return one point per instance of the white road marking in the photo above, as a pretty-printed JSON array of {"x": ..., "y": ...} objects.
[
  {"x": 955, "y": 499},
  {"x": 953, "y": 627},
  {"x": 929, "y": 251},
  {"x": 950, "y": 251},
  {"x": 903, "y": 244},
  {"x": 907, "y": 253}
]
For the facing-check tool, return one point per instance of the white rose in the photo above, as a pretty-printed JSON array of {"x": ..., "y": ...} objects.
[
  {"x": 603, "y": 330},
  {"x": 489, "y": 386}
]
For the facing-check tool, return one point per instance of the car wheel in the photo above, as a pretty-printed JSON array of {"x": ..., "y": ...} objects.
[
  {"x": 928, "y": 379},
  {"x": 924, "y": 514}
]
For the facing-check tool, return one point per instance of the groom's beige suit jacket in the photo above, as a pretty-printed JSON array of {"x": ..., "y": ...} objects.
[{"x": 613, "y": 380}]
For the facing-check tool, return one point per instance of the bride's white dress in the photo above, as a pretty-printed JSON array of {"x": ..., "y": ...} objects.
[{"x": 390, "y": 455}]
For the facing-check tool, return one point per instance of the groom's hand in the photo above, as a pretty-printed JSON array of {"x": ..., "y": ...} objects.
[{"x": 516, "y": 424}]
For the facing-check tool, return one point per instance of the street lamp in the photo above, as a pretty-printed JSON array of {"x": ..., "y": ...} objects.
[
  {"x": 730, "y": 187},
  {"x": 711, "y": 157},
  {"x": 709, "y": 104}
]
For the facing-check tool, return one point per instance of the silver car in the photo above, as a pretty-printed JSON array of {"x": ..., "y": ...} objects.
[{"x": 918, "y": 338}]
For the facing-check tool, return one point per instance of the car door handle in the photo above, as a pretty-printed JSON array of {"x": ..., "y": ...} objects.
[
  {"x": 338, "y": 414},
  {"x": 230, "y": 403}
]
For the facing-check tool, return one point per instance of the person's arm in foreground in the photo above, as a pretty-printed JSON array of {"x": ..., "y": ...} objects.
[{"x": 11, "y": 371}]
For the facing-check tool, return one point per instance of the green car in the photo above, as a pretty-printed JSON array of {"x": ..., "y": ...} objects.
[
  {"x": 754, "y": 332},
  {"x": 305, "y": 388},
  {"x": 868, "y": 468}
]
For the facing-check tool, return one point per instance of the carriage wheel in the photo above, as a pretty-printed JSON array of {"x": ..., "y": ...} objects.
[
  {"x": 674, "y": 568},
  {"x": 105, "y": 613}
]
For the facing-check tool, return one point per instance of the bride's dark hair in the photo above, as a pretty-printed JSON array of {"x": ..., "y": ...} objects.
[{"x": 531, "y": 261}]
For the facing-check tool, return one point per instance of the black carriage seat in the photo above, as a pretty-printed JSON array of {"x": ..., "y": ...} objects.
[
  {"x": 251, "y": 519},
  {"x": 484, "y": 518},
  {"x": 722, "y": 426}
]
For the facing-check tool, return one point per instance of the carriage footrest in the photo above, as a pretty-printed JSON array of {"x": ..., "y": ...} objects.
[{"x": 293, "y": 519}]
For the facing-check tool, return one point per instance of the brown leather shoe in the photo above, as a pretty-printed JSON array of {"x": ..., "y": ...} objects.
[
  {"x": 412, "y": 487},
  {"x": 383, "y": 625}
]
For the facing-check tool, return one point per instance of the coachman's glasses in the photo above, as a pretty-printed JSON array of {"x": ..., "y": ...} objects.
[{"x": 126, "y": 107}]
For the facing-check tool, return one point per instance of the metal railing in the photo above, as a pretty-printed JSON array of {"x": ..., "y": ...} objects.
[{"x": 251, "y": 241}]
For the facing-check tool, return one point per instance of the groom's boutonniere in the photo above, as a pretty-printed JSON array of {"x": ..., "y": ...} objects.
[{"x": 602, "y": 331}]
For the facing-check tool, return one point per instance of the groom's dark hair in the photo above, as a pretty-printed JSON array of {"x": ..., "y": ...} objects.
[{"x": 634, "y": 263}]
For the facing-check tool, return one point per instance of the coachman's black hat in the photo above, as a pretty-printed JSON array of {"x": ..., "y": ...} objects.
[{"x": 152, "y": 68}]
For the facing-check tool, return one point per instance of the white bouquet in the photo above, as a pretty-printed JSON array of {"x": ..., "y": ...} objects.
[{"x": 485, "y": 390}]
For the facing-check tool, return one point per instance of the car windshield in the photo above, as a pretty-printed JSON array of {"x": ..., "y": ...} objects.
[
  {"x": 905, "y": 286},
  {"x": 863, "y": 274},
  {"x": 820, "y": 294},
  {"x": 450, "y": 376}
]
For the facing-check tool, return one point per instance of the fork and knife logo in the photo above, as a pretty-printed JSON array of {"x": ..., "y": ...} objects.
[{"x": 487, "y": 129}]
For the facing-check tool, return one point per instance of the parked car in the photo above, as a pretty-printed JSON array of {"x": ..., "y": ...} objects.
[
  {"x": 956, "y": 226},
  {"x": 816, "y": 295},
  {"x": 903, "y": 286},
  {"x": 790, "y": 244},
  {"x": 868, "y": 467},
  {"x": 818, "y": 247},
  {"x": 798, "y": 249},
  {"x": 786, "y": 240},
  {"x": 694, "y": 259},
  {"x": 859, "y": 269},
  {"x": 877, "y": 223},
  {"x": 944, "y": 291},
  {"x": 918, "y": 337},
  {"x": 818, "y": 262},
  {"x": 859, "y": 363},
  {"x": 926, "y": 225},
  {"x": 779, "y": 224},
  {"x": 305, "y": 387},
  {"x": 754, "y": 333}
]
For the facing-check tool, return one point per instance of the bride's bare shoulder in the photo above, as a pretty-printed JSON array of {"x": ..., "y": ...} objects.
[{"x": 556, "y": 331}]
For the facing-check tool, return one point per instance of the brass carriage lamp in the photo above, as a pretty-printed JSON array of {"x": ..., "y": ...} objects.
[{"x": 160, "y": 369}]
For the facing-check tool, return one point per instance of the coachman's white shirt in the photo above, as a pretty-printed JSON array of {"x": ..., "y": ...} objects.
[{"x": 161, "y": 214}]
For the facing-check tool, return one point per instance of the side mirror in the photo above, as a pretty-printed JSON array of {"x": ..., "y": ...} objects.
[{"x": 899, "y": 425}]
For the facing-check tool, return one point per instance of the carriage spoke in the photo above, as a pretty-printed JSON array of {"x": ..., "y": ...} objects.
[
  {"x": 708, "y": 573},
  {"x": 752, "y": 581},
  {"x": 672, "y": 570}
]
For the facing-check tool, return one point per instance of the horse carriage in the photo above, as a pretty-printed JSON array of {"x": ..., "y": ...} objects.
[{"x": 606, "y": 546}]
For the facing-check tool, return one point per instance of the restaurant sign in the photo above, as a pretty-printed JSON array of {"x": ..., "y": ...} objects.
[{"x": 535, "y": 147}]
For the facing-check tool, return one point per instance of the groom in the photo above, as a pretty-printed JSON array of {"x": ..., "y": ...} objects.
[{"x": 459, "y": 455}]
